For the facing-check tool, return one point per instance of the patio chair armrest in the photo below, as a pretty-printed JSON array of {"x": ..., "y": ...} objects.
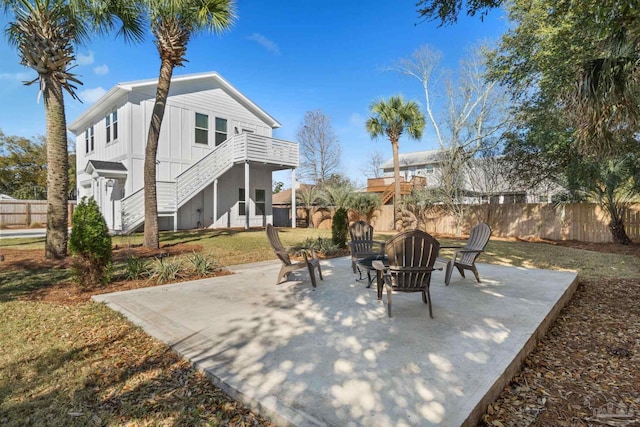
[
  {"x": 469, "y": 250},
  {"x": 378, "y": 265},
  {"x": 451, "y": 247},
  {"x": 412, "y": 269}
]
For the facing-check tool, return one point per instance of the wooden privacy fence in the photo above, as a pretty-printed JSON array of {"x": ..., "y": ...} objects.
[
  {"x": 25, "y": 213},
  {"x": 579, "y": 221}
]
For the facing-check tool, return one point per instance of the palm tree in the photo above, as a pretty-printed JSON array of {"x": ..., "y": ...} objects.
[
  {"x": 172, "y": 24},
  {"x": 392, "y": 118},
  {"x": 46, "y": 33},
  {"x": 308, "y": 196}
]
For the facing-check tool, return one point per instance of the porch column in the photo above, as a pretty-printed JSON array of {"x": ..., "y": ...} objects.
[
  {"x": 215, "y": 202},
  {"x": 293, "y": 198},
  {"x": 247, "y": 199}
]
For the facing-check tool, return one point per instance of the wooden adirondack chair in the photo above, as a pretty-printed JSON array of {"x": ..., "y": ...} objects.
[
  {"x": 411, "y": 256},
  {"x": 464, "y": 258},
  {"x": 310, "y": 262},
  {"x": 362, "y": 244}
]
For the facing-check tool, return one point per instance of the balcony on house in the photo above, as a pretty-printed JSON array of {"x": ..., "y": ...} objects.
[{"x": 385, "y": 186}]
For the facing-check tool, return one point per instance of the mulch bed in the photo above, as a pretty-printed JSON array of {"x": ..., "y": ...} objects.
[
  {"x": 69, "y": 293},
  {"x": 584, "y": 372}
]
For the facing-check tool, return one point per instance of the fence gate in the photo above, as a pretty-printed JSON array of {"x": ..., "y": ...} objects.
[{"x": 281, "y": 217}]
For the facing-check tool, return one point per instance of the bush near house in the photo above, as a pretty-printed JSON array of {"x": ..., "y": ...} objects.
[{"x": 90, "y": 245}]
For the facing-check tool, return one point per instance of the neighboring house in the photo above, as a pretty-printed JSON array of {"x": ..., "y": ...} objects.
[
  {"x": 420, "y": 163},
  {"x": 215, "y": 155},
  {"x": 482, "y": 180}
]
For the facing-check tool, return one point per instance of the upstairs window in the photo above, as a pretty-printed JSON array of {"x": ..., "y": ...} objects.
[
  {"x": 88, "y": 140},
  {"x": 241, "y": 204},
  {"x": 221, "y": 130},
  {"x": 202, "y": 129},
  {"x": 112, "y": 126},
  {"x": 108, "y": 127},
  {"x": 428, "y": 170}
]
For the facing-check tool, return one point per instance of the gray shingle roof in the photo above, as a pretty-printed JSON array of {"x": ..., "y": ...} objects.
[
  {"x": 107, "y": 166},
  {"x": 418, "y": 158}
]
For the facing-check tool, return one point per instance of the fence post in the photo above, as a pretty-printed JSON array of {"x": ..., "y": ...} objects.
[
  {"x": 27, "y": 210},
  {"x": 70, "y": 211}
]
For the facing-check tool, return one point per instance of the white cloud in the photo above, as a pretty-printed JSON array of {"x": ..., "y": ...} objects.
[
  {"x": 101, "y": 70},
  {"x": 83, "y": 59},
  {"x": 270, "y": 45},
  {"x": 92, "y": 95},
  {"x": 17, "y": 76}
]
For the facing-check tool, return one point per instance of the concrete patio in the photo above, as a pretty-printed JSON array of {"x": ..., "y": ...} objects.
[{"x": 332, "y": 357}]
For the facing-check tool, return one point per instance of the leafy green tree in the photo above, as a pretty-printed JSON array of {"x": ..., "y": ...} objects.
[
  {"x": 580, "y": 58},
  {"x": 447, "y": 11},
  {"x": 392, "y": 118},
  {"x": 173, "y": 23},
  {"x": 277, "y": 187},
  {"x": 23, "y": 167},
  {"x": 613, "y": 184},
  {"x": 90, "y": 244},
  {"x": 543, "y": 149},
  {"x": 46, "y": 34}
]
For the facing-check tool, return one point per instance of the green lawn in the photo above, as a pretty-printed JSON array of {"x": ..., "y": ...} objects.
[{"x": 82, "y": 364}]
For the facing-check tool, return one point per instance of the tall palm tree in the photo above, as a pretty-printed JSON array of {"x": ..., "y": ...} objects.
[
  {"x": 46, "y": 33},
  {"x": 392, "y": 118},
  {"x": 173, "y": 22}
]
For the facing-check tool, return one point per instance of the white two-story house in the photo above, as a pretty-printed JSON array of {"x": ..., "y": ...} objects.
[{"x": 215, "y": 155}]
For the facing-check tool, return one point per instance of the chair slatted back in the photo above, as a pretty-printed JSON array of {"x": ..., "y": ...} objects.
[
  {"x": 478, "y": 239},
  {"x": 411, "y": 257},
  {"x": 276, "y": 244},
  {"x": 361, "y": 236}
]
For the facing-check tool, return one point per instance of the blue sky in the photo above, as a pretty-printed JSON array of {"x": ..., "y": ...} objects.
[{"x": 288, "y": 57}]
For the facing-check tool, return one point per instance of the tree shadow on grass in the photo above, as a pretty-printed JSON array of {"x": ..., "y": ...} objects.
[
  {"x": 196, "y": 235},
  {"x": 17, "y": 283}
]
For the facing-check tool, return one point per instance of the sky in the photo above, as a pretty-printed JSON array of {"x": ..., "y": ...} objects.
[{"x": 289, "y": 57}]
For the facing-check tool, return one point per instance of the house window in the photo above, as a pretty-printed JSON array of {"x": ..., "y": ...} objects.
[
  {"x": 88, "y": 140},
  {"x": 260, "y": 202},
  {"x": 241, "y": 203},
  {"x": 221, "y": 130},
  {"x": 428, "y": 170},
  {"x": 108, "y": 127},
  {"x": 202, "y": 129},
  {"x": 112, "y": 126}
]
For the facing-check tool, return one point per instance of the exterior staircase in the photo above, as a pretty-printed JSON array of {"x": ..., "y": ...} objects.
[{"x": 172, "y": 195}]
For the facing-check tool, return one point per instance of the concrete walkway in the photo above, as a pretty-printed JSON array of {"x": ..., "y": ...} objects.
[{"x": 332, "y": 357}]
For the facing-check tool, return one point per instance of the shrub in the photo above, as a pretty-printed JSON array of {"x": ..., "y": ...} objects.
[
  {"x": 340, "y": 228},
  {"x": 165, "y": 271},
  {"x": 326, "y": 246},
  {"x": 203, "y": 264},
  {"x": 137, "y": 268},
  {"x": 36, "y": 224},
  {"x": 90, "y": 245}
]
